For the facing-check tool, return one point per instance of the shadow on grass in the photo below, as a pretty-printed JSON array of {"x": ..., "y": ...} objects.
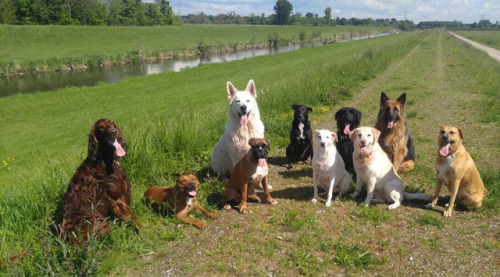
[
  {"x": 296, "y": 174},
  {"x": 298, "y": 193}
]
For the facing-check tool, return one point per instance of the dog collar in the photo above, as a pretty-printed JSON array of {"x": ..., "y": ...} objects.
[{"x": 452, "y": 152}]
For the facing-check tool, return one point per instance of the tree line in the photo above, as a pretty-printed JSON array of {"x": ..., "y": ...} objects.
[{"x": 87, "y": 12}]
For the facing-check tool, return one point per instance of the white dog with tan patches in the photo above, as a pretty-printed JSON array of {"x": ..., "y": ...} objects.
[
  {"x": 374, "y": 168},
  {"x": 328, "y": 167},
  {"x": 242, "y": 124}
]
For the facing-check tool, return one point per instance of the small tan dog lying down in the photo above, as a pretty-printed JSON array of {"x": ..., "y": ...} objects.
[
  {"x": 248, "y": 173},
  {"x": 456, "y": 169},
  {"x": 181, "y": 198},
  {"x": 374, "y": 168}
]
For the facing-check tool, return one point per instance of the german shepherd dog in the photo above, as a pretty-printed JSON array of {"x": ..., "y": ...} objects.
[{"x": 395, "y": 138}]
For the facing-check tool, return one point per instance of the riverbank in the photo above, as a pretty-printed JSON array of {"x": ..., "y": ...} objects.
[{"x": 38, "y": 49}]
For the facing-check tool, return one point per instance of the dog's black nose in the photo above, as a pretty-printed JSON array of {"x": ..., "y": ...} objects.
[
  {"x": 113, "y": 132},
  {"x": 243, "y": 108},
  {"x": 192, "y": 185},
  {"x": 445, "y": 138}
]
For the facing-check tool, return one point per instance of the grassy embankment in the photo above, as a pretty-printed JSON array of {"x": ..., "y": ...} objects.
[
  {"x": 26, "y": 49},
  {"x": 487, "y": 38},
  {"x": 172, "y": 121}
]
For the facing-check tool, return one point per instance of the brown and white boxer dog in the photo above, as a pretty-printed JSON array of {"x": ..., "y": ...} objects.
[
  {"x": 248, "y": 173},
  {"x": 181, "y": 198}
]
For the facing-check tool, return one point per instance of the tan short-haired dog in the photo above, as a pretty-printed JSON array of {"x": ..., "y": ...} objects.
[
  {"x": 248, "y": 173},
  {"x": 456, "y": 169},
  {"x": 181, "y": 198}
]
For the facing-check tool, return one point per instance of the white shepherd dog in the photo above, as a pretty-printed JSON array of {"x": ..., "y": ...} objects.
[
  {"x": 328, "y": 167},
  {"x": 243, "y": 123}
]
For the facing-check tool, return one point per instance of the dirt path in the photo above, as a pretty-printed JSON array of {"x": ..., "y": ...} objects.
[{"x": 492, "y": 52}]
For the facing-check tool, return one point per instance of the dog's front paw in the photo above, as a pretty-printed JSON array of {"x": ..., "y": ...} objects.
[
  {"x": 290, "y": 166},
  {"x": 364, "y": 204},
  {"x": 328, "y": 203},
  {"x": 447, "y": 213},
  {"x": 314, "y": 200},
  {"x": 430, "y": 206},
  {"x": 354, "y": 194},
  {"x": 201, "y": 225},
  {"x": 227, "y": 207},
  {"x": 243, "y": 210},
  {"x": 272, "y": 202}
]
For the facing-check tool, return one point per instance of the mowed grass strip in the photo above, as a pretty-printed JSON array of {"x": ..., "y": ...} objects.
[
  {"x": 171, "y": 122},
  {"x": 488, "y": 38},
  {"x": 42, "y": 48}
]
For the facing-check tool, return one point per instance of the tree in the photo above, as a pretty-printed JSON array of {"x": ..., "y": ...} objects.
[
  {"x": 328, "y": 14},
  {"x": 7, "y": 12},
  {"x": 283, "y": 10}
]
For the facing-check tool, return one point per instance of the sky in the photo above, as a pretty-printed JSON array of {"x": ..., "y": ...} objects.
[{"x": 466, "y": 11}]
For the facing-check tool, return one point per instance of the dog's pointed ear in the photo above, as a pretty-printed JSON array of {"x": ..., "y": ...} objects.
[
  {"x": 383, "y": 98},
  {"x": 251, "y": 88},
  {"x": 352, "y": 134},
  {"x": 334, "y": 136},
  {"x": 231, "y": 90},
  {"x": 402, "y": 98},
  {"x": 250, "y": 141},
  {"x": 376, "y": 134},
  {"x": 309, "y": 109},
  {"x": 460, "y": 133},
  {"x": 193, "y": 173}
]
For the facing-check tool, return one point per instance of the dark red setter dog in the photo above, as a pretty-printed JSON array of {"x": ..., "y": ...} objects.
[{"x": 99, "y": 189}]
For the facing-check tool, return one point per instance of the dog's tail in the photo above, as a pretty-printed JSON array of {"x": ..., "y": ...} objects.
[{"x": 417, "y": 196}]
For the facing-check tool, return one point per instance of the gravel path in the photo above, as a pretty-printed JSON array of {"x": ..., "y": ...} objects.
[{"x": 492, "y": 52}]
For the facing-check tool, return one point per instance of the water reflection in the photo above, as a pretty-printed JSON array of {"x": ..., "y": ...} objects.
[{"x": 112, "y": 74}]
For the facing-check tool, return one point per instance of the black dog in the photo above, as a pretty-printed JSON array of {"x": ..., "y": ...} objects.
[
  {"x": 347, "y": 119},
  {"x": 300, "y": 147}
]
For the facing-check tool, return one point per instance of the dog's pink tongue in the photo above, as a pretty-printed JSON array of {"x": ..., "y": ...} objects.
[
  {"x": 363, "y": 149},
  {"x": 192, "y": 193},
  {"x": 445, "y": 150},
  {"x": 244, "y": 120},
  {"x": 346, "y": 129},
  {"x": 262, "y": 162},
  {"x": 390, "y": 125},
  {"x": 118, "y": 148}
]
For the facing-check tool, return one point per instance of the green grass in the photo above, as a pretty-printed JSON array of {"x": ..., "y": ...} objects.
[
  {"x": 49, "y": 48},
  {"x": 429, "y": 220},
  {"x": 487, "y": 38},
  {"x": 171, "y": 122}
]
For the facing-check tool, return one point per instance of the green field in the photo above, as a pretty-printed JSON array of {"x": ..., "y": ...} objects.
[
  {"x": 172, "y": 121},
  {"x": 488, "y": 38},
  {"x": 48, "y": 48}
]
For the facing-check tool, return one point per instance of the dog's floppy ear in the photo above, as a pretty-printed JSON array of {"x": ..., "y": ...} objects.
[
  {"x": 176, "y": 175},
  {"x": 193, "y": 173},
  {"x": 251, "y": 88},
  {"x": 460, "y": 133},
  {"x": 294, "y": 106},
  {"x": 231, "y": 90},
  {"x": 309, "y": 110},
  {"x": 402, "y": 98},
  {"x": 383, "y": 98},
  {"x": 376, "y": 134},
  {"x": 268, "y": 144},
  {"x": 334, "y": 136},
  {"x": 338, "y": 114},
  {"x": 352, "y": 134},
  {"x": 250, "y": 141},
  {"x": 357, "y": 114}
]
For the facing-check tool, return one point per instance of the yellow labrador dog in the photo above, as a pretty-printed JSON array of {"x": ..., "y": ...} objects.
[
  {"x": 374, "y": 168},
  {"x": 456, "y": 169}
]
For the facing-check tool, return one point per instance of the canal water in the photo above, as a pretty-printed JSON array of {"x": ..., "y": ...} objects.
[{"x": 112, "y": 74}]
